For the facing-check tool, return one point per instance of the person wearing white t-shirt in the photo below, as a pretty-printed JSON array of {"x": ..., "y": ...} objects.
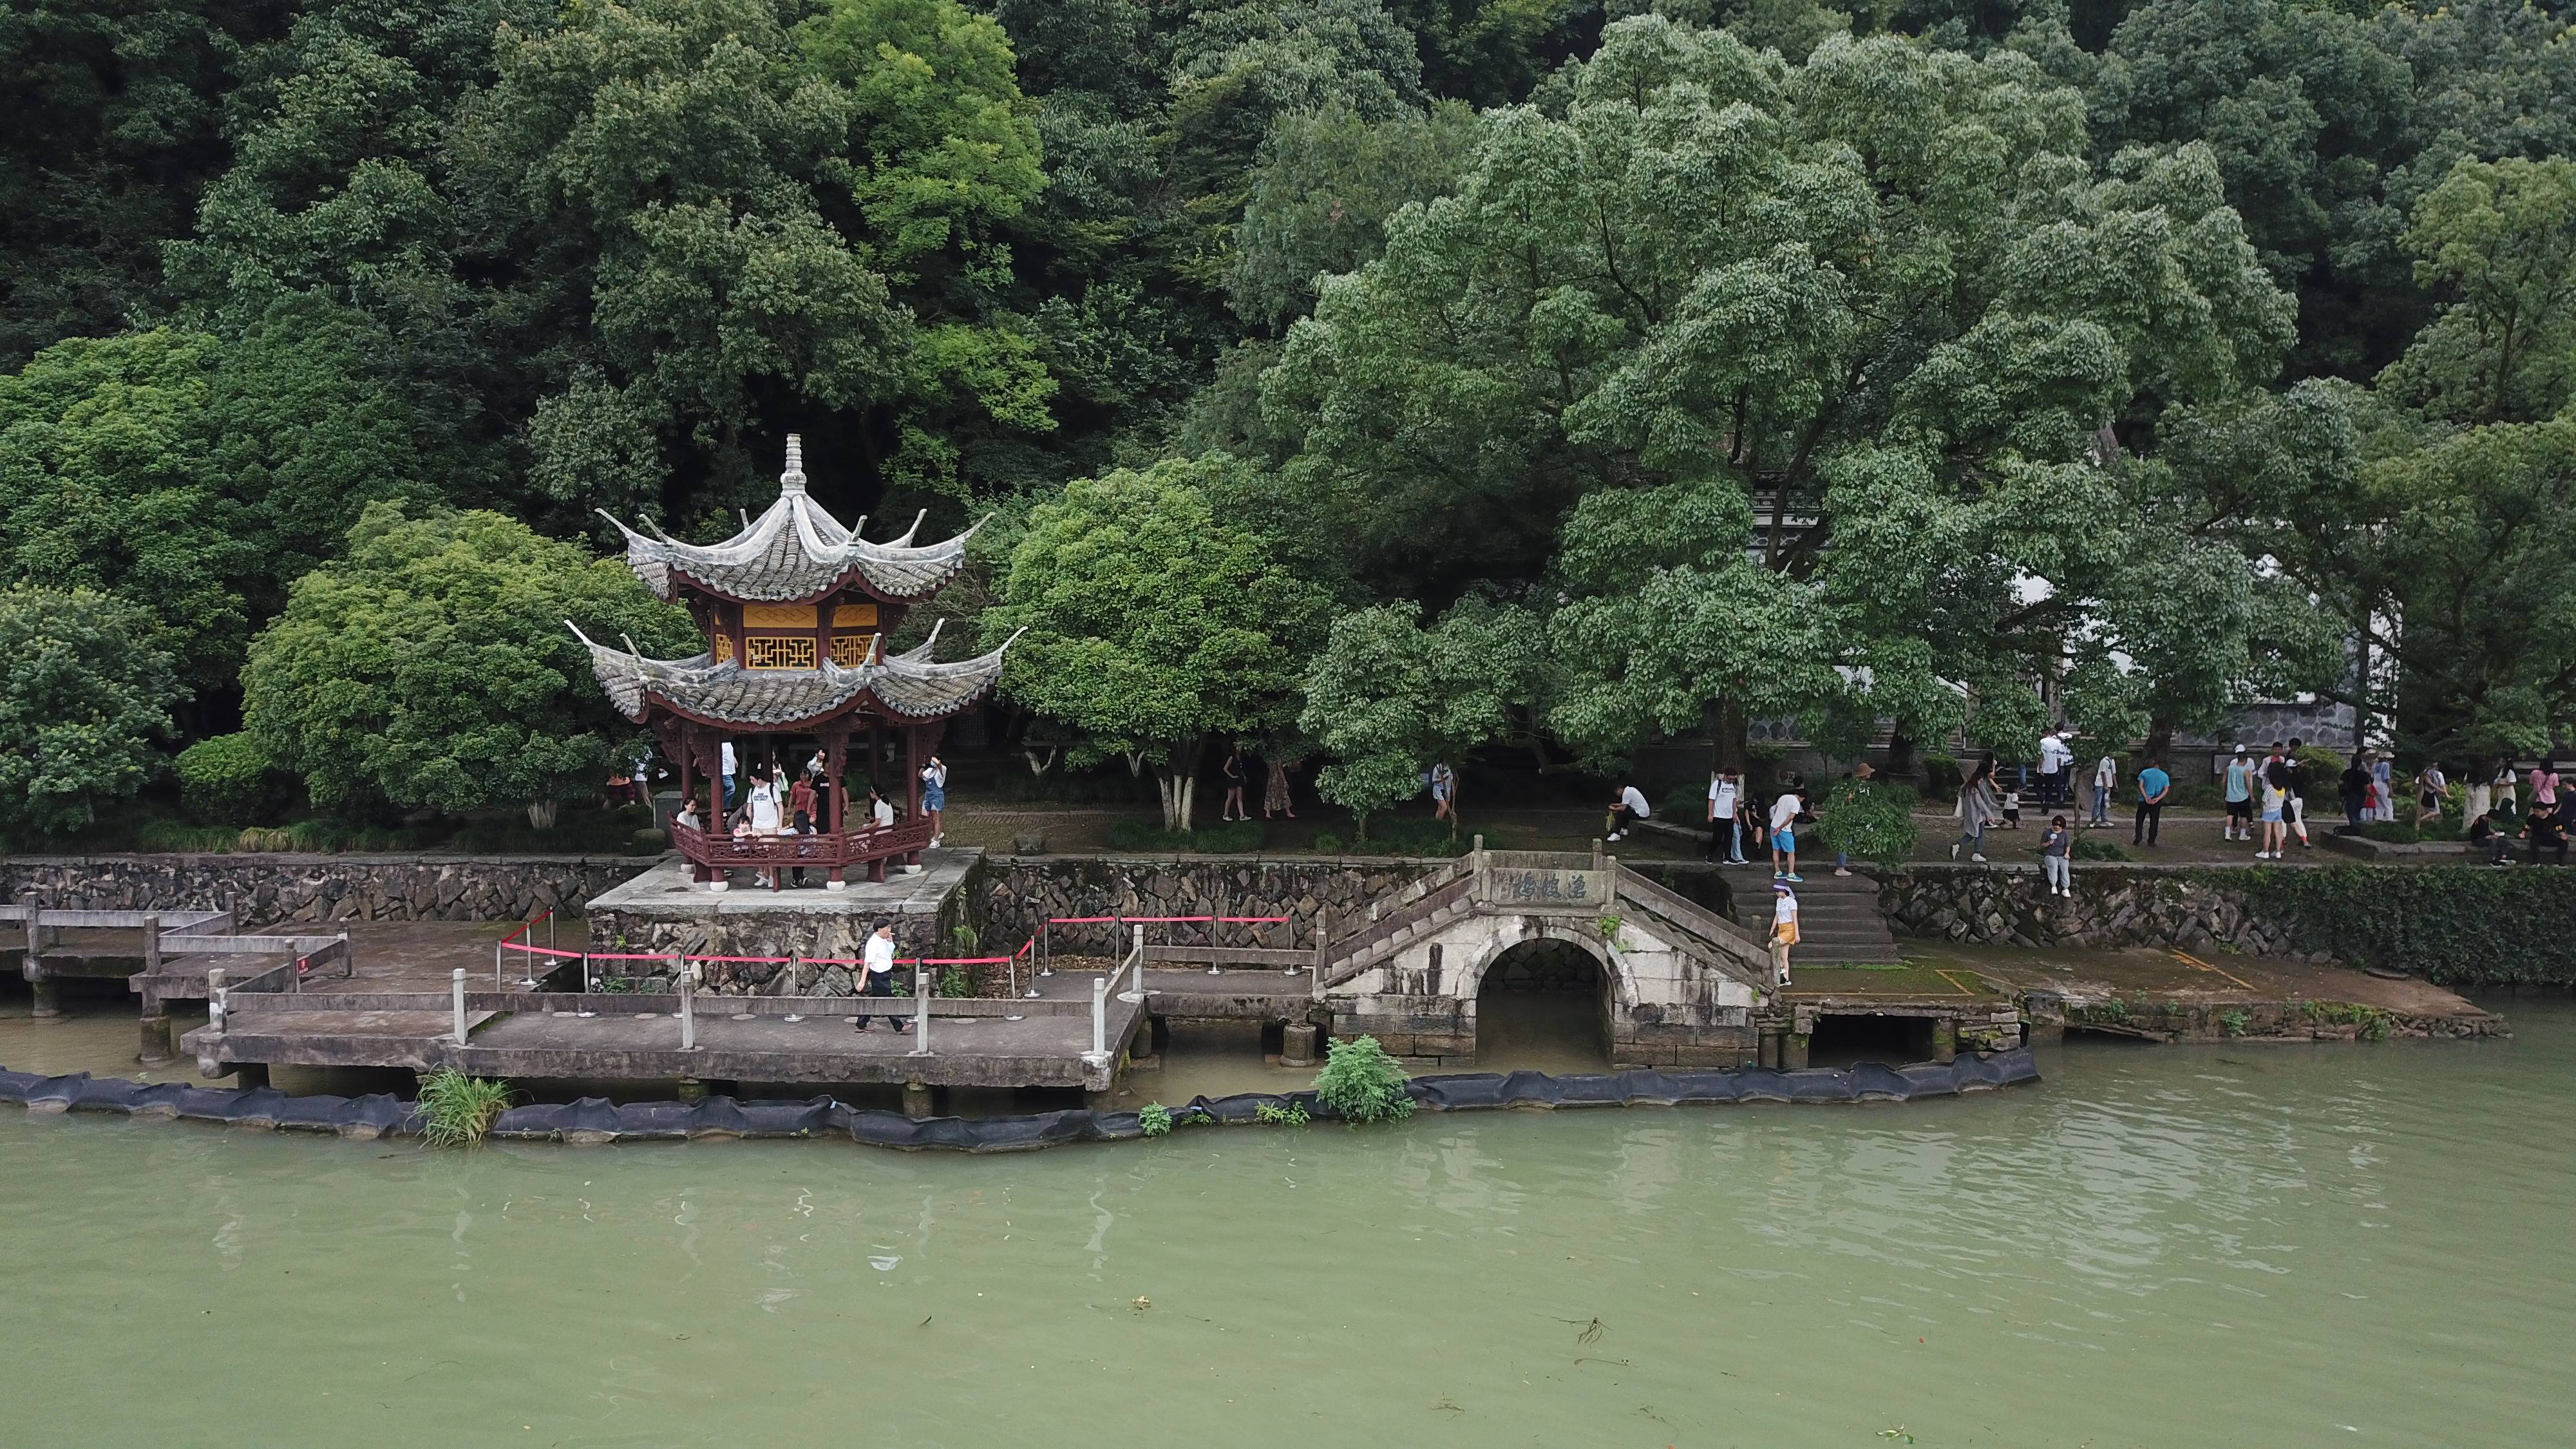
[
  {"x": 1784, "y": 929},
  {"x": 1784, "y": 835},
  {"x": 2106, "y": 778},
  {"x": 1725, "y": 818},
  {"x": 2055, "y": 759},
  {"x": 1626, "y": 809},
  {"x": 876, "y": 971}
]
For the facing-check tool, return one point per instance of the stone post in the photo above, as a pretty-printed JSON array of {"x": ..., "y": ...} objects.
[
  {"x": 921, "y": 987},
  {"x": 917, "y": 1101},
  {"x": 456, "y": 996},
  {"x": 1945, "y": 1039},
  {"x": 1297, "y": 1044},
  {"x": 154, "y": 1047}
]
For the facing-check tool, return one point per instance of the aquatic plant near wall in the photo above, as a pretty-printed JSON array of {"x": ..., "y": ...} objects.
[
  {"x": 457, "y": 1110},
  {"x": 1362, "y": 1082}
]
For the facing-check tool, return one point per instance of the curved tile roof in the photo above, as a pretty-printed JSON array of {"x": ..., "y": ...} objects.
[
  {"x": 795, "y": 551},
  {"x": 905, "y": 686}
]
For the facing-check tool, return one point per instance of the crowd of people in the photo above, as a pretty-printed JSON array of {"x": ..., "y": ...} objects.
[{"x": 765, "y": 800}]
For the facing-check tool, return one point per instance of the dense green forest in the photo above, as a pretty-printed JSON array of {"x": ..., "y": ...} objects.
[{"x": 1373, "y": 380}]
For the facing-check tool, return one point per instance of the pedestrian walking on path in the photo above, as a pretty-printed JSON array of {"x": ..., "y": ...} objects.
[
  {"x": 2383, "y": 790},
  {"x": 876, "y": 971},
  {"x": 2240, "y": 797},
  {"x": 1784, "y": 930},
  {"x": 2106, "y": 778},
  {"x": 1276, "y": 799},
  {"x": 2506, "y": 802},
  {"x": 1977, "y": 810},
  {"x": 2430, "y": 788},
  {"x": 1444, "y": 792},
  {"x": 2153, "y": 786},
  {"x": 2544, "y": 788},
  {"x": 1237, "y": 775},
  {"x": 2053, "y": 850},
  {"x": 2286, "y": 770}
]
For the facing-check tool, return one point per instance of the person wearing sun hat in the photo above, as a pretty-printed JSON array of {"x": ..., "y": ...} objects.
[{"x": 1784, "y": 929}]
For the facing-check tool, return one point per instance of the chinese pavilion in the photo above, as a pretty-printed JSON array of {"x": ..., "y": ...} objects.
[{"x": 795, "y": 609}]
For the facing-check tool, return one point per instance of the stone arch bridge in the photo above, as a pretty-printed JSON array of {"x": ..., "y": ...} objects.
[{"x": 1684, "y": 986}]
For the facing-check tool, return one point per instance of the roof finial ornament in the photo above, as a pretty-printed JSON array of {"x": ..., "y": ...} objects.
[{"x": 793, "y": 480}]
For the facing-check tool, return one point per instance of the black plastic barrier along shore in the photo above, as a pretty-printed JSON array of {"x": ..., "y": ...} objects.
[{"x": 596, "y": 1119}]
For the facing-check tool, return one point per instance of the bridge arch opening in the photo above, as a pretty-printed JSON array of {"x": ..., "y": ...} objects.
[{"x": 1543, "y": 1005}]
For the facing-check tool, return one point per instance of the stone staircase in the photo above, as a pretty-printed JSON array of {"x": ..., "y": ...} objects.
[{"x": 1839, "y": 923}]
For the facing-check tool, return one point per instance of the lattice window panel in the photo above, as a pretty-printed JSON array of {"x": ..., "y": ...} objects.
[
  {"x": 787, "y": 652},
  {"x": 724, "y": 647},
  {"x": 852, "y": 650}
]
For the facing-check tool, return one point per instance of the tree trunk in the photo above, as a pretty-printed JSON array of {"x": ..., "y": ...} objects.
[
  {"x": 1180, "y": 785},
  {"x": 1900, "y": 755},
  {"x": 2159, "y": 737},
  {"x": 1729, "y": 736}
]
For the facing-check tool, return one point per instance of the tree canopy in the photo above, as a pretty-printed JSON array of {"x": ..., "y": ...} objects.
[
  {"x": 430, "y": 667},
  {"x": 1609, "y": 371}
]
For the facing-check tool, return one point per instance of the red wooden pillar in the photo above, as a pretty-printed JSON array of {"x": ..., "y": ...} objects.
[{"x": 836, "y": 752}]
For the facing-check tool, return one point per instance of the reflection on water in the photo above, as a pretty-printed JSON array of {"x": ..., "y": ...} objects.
[{"x": 2220, "y": 1245}]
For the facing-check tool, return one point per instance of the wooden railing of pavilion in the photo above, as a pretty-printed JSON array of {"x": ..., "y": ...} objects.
[{"x": 830, "y": 852}]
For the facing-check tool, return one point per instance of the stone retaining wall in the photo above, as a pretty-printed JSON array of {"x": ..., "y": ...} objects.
[
  {"x": 277, "y": 889},
  {"x": 2113, "y": 905},
  {"x": 1011, "y": 895}
]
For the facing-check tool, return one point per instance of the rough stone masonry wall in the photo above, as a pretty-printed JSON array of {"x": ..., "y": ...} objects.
[
  {"x": 276, "y": 889},
  {"x": 1013, "y": 894},
  {"x": 2113, "y": 905}
]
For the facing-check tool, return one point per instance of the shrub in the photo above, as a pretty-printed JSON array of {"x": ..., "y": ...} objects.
[
  {"x": 1940, "y": 777},
  {"x": 456, "y": 1110},
  {"x": 1282, "y": 1114},
  {"x": 953, "y": 982},
  {"x": 2099, "y": 850},
  {"x": 1154, "y": 1119},
  {"x": 230, "y": 780},
  {"x": 1874, "y": 822},
  {"x": 84, "y": 690},
  {"x": 2452, "y": 925},
  {"x": 1362, "y": 1082}
]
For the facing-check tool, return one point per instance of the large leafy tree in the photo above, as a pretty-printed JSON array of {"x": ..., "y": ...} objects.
[
  {"x": 1153, "y": 625},
  {"x": 196, "y": 477},
  {"x": 430, "y": 668},
  {"x": 2496, "y": 242},
  {"x": 1389, "y": 698},
  {"x": 85, "y": 692},
  {"x": 112, "y": 130},
  {"x": 1883, "y": 289}
]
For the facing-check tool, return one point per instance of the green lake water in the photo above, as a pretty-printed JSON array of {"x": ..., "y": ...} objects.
[{"x": 2158, "y": 1246}]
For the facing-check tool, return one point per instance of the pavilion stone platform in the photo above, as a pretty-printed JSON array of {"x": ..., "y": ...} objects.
[{"x": 665, "y": 910}]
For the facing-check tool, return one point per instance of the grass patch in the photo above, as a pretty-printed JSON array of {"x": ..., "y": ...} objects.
[
  {"x": 457, "y": 1110},
  {"x": 1397, "y": 835},
  {"x": 1234, "y": 837}
]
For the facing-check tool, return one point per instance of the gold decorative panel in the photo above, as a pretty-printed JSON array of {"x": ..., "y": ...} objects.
[
  {"x": 852, "y": 650},
  {"x": 854, "y": 616},
  {"x": 723, "y": 647},
  {"x": 778, "y": 616},
  {"x": 788, "y": 652}
]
